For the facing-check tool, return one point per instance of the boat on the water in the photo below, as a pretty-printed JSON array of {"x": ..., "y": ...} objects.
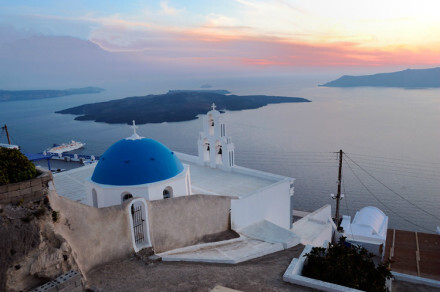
[{"x": 66, "y": 147}]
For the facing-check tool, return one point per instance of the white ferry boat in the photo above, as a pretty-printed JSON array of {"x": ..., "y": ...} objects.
[{"x": 66, "y": 147}]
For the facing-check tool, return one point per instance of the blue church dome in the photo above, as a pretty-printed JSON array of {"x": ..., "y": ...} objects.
[{"x": 135, "y": 162}]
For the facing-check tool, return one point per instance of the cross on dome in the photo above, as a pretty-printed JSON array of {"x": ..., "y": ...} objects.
[
  {"x": 134, "y": 127},
  {"x": 213, "y": 106},
  {"x": 135, "y": 135}
]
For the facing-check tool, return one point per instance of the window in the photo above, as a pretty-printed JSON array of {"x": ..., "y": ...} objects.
[
  {"x": 168, "y": 193},
  {"x": 126, "y": 196}
]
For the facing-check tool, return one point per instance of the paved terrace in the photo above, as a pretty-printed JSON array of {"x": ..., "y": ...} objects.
[{"x": 262, "y": 274}]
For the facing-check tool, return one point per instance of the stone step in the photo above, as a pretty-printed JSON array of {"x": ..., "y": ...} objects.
[{"x": 147, "y": 255}]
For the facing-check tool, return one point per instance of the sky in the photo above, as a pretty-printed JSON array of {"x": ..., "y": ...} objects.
[{"x": 231, "y": 35}]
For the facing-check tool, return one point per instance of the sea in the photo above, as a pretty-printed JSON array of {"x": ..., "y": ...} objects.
[{"x": 390, "y": 138}]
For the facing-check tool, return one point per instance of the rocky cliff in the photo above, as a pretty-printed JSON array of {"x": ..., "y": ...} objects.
[{"x": 31, "y": 252}]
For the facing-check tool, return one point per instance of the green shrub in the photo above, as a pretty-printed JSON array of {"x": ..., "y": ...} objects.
[
  {"x": 347, "y": 265},
  {"x": 55, "y": 216},
  {"x": 15, "y": 167}
]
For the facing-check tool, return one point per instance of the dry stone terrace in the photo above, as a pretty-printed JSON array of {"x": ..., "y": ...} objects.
[{"x": 28, "y": 190}]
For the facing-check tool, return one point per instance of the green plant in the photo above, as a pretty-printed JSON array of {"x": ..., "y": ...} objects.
[
  {"x": 15, "y": 167},
  {"x": 347, "y": 265},
  {"x": 55, "y": 216}
]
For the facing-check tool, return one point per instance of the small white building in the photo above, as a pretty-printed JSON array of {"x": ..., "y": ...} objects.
[{"x": 368, "y": 229}]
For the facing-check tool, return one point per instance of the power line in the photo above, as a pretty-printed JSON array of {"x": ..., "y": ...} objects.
[
  {"x": 391, "y": 190},
  {"x": 383, "y": 204},
  {"x": 381, "y": 158},
  {"x": 426, "y": 176},
  {"x": 433, "y": 172},
  {"x": 418, "y": 168},
  {"x": 291, "y": 152}
]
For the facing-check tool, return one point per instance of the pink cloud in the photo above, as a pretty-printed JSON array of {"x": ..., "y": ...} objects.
[{"x": 203, "y": 47}]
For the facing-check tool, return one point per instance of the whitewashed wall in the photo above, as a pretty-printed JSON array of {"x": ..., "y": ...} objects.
[
  {"x": 177, "y": 183},
  {"x": 271, "y": 203},
  {"x": 112, "y": 195}
]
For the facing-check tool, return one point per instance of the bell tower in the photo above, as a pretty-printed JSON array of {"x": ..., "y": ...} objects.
[{"x": 214, "y": 147}]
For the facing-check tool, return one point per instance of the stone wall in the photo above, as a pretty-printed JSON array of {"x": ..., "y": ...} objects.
[
  {"x": 29, "y": 190},
  {"x": 97, "y": 236},
  {"x": 188, "y": 220}
]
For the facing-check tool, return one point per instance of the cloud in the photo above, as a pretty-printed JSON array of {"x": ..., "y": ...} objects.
[
  {"x": 257, "y": 34},
  {"x": 232, "y": 46},
  {"x": 167, "y": 9}
]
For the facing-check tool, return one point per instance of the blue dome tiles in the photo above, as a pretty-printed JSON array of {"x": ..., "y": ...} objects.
[{"x": 135, "y": 162}]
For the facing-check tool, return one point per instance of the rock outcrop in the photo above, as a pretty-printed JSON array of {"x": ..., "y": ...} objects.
[{"x": 31, "y": 252}]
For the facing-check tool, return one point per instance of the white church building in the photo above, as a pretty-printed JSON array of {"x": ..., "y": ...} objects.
[
  {"x": 171, "y": 201},
  {"x": 142, "y": 167}
]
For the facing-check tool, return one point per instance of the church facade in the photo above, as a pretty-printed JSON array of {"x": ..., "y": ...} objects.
[{"x": 143, "y": 170}]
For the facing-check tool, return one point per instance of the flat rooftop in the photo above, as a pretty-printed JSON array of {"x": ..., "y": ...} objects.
[
  {"x": 71, "y": 183},
  {"x": 223, "y": 183},
  {"x": 414, "y": 253},
  {"x": 204, "y": 180}
]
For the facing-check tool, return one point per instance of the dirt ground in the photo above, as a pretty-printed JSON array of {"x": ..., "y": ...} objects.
[{"x": 262, "y": 274}]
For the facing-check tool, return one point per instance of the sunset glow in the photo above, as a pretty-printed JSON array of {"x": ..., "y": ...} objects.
[{"x": 320, "y": 33}]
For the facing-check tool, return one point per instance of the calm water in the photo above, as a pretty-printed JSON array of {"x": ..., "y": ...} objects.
[{"x": 391, "y": 137}]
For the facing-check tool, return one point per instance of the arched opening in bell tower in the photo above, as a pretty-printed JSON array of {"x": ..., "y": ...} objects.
[
  {"x": 211, "y": 125},
  {"x": 206, "y": 150},
  {"x": 218, "y": 153}
]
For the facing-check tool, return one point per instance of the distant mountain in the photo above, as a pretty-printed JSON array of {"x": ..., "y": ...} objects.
[
  {"x": 7, "y": 95},
  {"x": 410, "y": 78},
  {"x": 219, "y": 91},
  {"x": 175, "y": 106}
]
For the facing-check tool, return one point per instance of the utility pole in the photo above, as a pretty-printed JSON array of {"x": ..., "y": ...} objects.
[
  {"x": 338, "y": 196},
  {"x": 7, "y": 133}
]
